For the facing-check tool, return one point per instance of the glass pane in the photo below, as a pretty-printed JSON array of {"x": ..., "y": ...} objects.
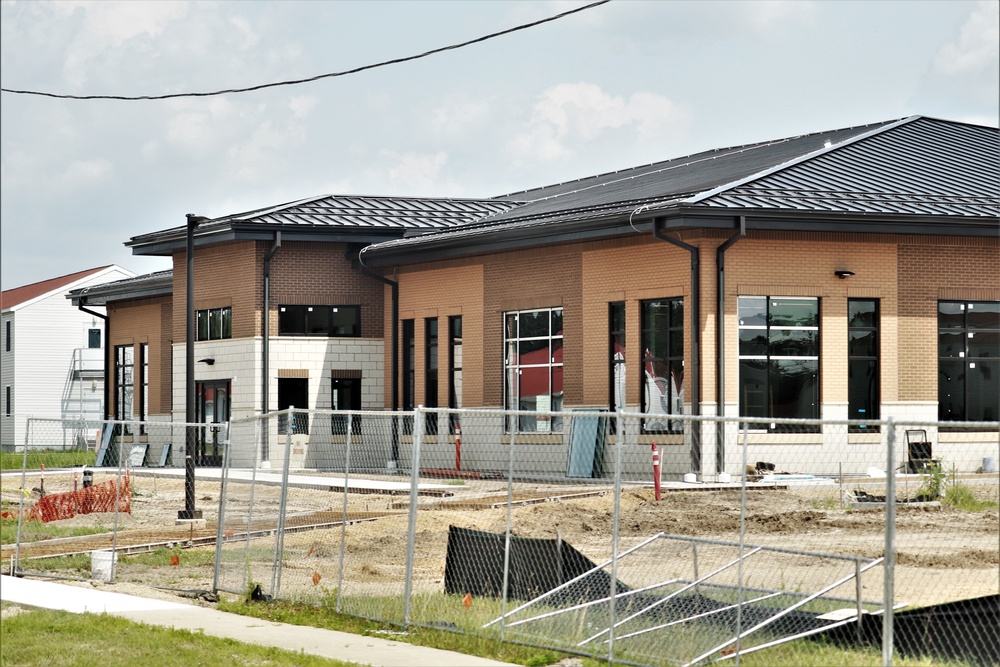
[
  {"x": 656, "y": 315},
  {"x": 227, "y": 322},
  {"x": 557, "y": 350},
  {"x": 456, "y": 326},
  {"x": 677, "y": 312},
  {"x": 617, "y": 316},
  {"x": 345, "y": 321},
  {"x": 984, "y": 390},
  {"x": 984, "y": 315},
  {"x": 533, "y": 352},
  {"x": 534, "y": 396},
  {"x": 753, "y": 388},
  {"x": 862, "y": 390},
  {"x": 677, "y": 389},
  {"x": 786, "y": 312},
  {"x": 951, "y": 315},
  {"x": 93, "y": 338},
  {"x": 215, "y": 324},
  {"x": 951, "y": 344},
  {"x": 984, "y": 344},
  {"x": 557, "y": 322},
  {"x": 533, "y": 324},
  {"x": 862, "y": 343},
  {"x": 951, "y": 390},
  {"x": 676, "y": 344},
  {"x": 291, "y": 320},
  {"x": 753, "y": 342},
  {"x": 793, "y": 343},
  {"x": 794, "y": 389},
  {"x": 860, "y": 313},
  {"x": 657, "y": 394},
  {"x": 317, "y": 320},
  {"x": 202, "y": 325},
  {"x": 752, "y": 310}
]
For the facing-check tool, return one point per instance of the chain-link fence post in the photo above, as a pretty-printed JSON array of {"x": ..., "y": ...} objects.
[
  {"x": 16, "y": 566},
  {"x": 221, "y": 520},
  {"x": 510, "y": 505},
  {"x": 343, "y": 522},
  {"x": 411, "y": 531},
  {"x": 118, "y": 491},
  {"x": 614, "y": 534},
  {"x": 279, "y": 541},
  {"x": 889, "y": 563}
]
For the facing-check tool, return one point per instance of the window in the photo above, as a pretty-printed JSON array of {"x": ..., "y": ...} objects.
[
  {"x": 662, "y": 364},
  {"x": 214, "y": 324},
  {"x": 616, "y": 354},
  {"x": 320, "y": 321},
  {"x": 144, "y": 383},
  {"x": 968, "y": 364},
  {"x": 454, "y": 367},
  {"x": 7, "y": 337},
  {"x": 124, "y": 385},
  {"x": 862, "y": 362},
  {"x": 409, "y": 370},
  {"x": 533, "y": 343},
  {"x": 431, "y": 372},
  {"x": 293, "y": 393},
  {"x": 346, "y": 395},
  {"x": 94, "y": 339},
  {"x": 779, "y": 358},
  {"x": 7, "y": 406}
]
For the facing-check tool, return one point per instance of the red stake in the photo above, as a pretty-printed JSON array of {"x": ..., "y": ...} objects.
[
  {"x": 458, "y": 446},
  {"x": 656, "y": 472}
]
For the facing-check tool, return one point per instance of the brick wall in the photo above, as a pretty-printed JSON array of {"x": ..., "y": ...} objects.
[{"x": 144, "y": 321}]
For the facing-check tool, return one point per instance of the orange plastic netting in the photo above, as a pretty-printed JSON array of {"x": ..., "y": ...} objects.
[{"x": 97, "y": 498}]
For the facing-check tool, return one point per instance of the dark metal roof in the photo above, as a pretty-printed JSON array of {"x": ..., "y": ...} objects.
[
  {"x": 912, "y": 175},
  {"x": 140, "y": 287},
  {"x": 332, "y": 218}
]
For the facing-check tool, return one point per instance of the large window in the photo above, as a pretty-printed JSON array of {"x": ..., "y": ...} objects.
[
  {"x": 779, "y": 358},
  {"x": 862, "y": 362},
  {"x": 345, "y": 395},
  {"x": 662, "y": 364},
  {"x": 214, "y": 324},
  {"x": 321, "y": 321},
  {"x": 968, "y": 364},
  {"x": 616, "y": 355},
  {"x": 144, "y": 383},
  {"x": 533, "y": 349},
  {"x": 454, "y": 367},
  {"x": 124, "y": 385},
  {"x": 431, "y": 372},
  {"x": 409, "y": 372},
  {"x": 293, "y": 392}
]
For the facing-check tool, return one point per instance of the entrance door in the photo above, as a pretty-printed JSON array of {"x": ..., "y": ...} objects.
[
  {"x": 346, "y": 396},
  {"x": 212, "y": 408}
]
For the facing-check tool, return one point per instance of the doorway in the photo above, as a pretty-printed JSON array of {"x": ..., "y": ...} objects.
[{"x": 212, "y": 408}]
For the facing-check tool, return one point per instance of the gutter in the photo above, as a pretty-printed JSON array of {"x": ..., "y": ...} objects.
[
  {"x": 107, "y": 351},
  {"x": 696, "y": 453},
  {"x": 266, "y": 348},
  {"x": 720, "y": 359},
  {"x": 355, "y": 259}
]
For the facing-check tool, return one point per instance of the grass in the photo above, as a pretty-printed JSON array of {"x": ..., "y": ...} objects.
[
  {"x": 51, "y": 458},
  {"x": 36, "y": 531},
  {"x": 962, "y": 497},
  {"x": 60, "y": 639}
]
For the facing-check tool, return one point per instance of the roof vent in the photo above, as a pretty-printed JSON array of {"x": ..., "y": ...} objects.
[{"x": 827, "y": 144}]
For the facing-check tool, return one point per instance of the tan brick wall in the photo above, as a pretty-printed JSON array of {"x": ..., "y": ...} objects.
[
  {"x": 144, "y": 321},
  {"x": 224, "y": 275}
]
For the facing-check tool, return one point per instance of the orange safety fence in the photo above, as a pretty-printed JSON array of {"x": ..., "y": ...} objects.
[{"x": 97, "y": 498}]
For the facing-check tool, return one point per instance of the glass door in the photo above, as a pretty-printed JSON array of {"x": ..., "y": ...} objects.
[{"x": 212, "y": 408}]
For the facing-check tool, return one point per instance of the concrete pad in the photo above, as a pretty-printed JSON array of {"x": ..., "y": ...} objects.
[{"x": 79, "y": 599}]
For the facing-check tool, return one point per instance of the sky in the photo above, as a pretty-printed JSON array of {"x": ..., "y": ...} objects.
[{"x": 622, "y": 84}]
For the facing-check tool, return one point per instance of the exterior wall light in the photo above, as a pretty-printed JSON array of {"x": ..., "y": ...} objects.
[
  {"x": 210, "y": 361},
  {"x": 843, "y": 274}
]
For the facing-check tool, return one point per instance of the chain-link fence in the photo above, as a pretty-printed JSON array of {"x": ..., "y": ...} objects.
[{"x": 613, "y": 535}]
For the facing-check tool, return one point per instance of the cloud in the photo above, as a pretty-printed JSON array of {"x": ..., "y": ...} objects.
[
  {"x": 415, "y": 172},
  {"x": 570, "y": 114},
  {"x": 969, "y": 66},
  {"x": 460, "y": 115},
  {"x": 86, "y": 174},
  {"x": 302, "y": 105}
]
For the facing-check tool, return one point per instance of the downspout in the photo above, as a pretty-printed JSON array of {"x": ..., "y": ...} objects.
[
  {"x": 107, "y": 364},
  {"x": 695, "y": 339},
  {"x": 265, "y": 401},
  {"x": 394, "y": 287},
  {"x": 720, "y": 359}
]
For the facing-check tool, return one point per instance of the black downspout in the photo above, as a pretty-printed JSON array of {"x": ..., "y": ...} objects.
[
  {"x": 695, "y": 340},
  {"x": 107, "y": 364},
  {"x": 720, "y": 359},
  {"x": 394, "y": 286},
  {"x": 265, "y": 383}
]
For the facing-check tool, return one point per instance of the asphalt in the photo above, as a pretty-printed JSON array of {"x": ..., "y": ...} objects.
[{"x": 363, "y": 650}]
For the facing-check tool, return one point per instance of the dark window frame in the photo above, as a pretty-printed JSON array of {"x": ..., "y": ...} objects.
[
  {"x": 144, "y": 383},
  {"x": 648, "y": 334},
  {"x": 454, "y": 368},
  {"x": 949, "y": 363},
  {"x": 91, "y": 331},
  {"x": 7, "y": 401},
  {"x": 512, "y": 349},
  {"x": 324, "y": 317},
  {"x": 9, "y": 330},
  {"x": 431, "y": 373},
  {"x": 872, "y": 407},
  {"x": 217, "y": 321},
  {"x": 125, "y": 386}
]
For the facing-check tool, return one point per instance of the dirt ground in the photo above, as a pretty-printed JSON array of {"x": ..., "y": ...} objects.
[{"x": 942, "y": 554}]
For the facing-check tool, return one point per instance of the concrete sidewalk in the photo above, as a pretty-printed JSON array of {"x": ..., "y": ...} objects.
[{"x": 314, "y": 641}]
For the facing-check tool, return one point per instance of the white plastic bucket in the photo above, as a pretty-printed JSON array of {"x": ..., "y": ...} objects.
[
  {"x": 101, "y": 565},
  {"x": 690, "y": 477},
  {"x": 724, "y": 478},
  {"x": 989, "y": 464}
]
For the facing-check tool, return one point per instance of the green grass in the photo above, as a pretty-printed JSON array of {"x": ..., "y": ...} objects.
[
  {"x": 60, "y": 639},
  {"x": 962, "y": 497},
  {"x": 52, "y": 458},
  {"x": 36, "y": 531}
]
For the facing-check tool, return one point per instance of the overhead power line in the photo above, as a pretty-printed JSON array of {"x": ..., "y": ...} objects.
[{"x": 295, "y": 82}]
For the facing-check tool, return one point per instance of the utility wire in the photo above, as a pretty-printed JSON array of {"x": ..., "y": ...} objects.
[{"x": 312, "y": 78}]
